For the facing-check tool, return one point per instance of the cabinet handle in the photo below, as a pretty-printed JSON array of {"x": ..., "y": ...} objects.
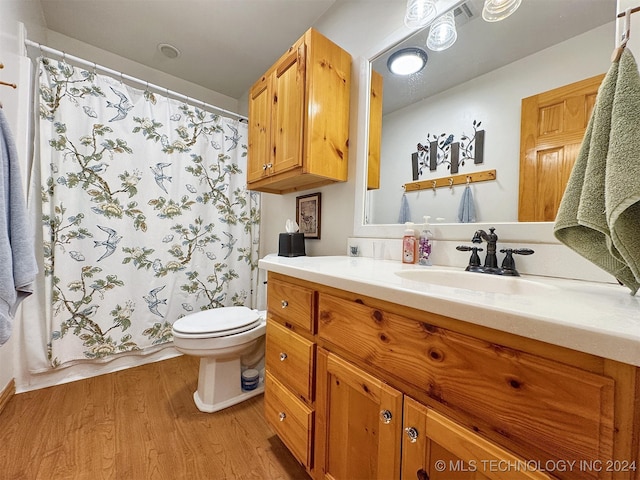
[
  {"x": 285, "y": 304},
  {"x": 283, "y": 357},
  {"x": 386, "y": 416},
  {"x": 282, "y": 416},
  {"x": 412, "y": 433}
]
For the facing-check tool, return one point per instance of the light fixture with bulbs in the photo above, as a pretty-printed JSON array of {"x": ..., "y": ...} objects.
[
  {"x": 407, "y": 61},
  {"x": 496, "y": 10},
  {"x": 442, "y": 33},
  {"x": 419, "y": 13}
]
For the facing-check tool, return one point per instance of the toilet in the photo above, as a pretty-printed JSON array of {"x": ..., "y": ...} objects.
[{"x": 227, "y": 340}]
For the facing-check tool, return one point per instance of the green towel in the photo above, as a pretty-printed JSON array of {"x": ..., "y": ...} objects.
[
  {"x": 622, "y": 187},
  {"x": 581, "y": 222}
]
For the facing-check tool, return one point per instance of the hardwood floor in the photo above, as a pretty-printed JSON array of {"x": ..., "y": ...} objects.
[{"x": 138, "y": 424}]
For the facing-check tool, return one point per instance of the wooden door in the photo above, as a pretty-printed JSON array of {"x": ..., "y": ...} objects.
[
  {"x": 358, "y": 421},
  {"x": 288, "y": 111},
  {"x": 552, "y": 128},
  {"x": 259, "y": 129},
  {"x": 435, "y": 447}
]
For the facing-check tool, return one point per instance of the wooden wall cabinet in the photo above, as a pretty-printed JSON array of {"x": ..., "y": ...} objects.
[
  {"x": 299, "y": 118},
  {"x": 375, "y": 131},
  {"x": 396, "y": 390}
]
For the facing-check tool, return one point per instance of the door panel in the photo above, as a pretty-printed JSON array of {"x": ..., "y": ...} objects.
[{"x": 552, "y": 128}]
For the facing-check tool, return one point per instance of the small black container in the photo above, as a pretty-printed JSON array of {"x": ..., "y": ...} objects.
[{"x": 291, "y": 245}]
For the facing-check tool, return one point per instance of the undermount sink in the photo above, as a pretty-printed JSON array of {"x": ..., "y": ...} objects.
[{"x": 480, "y": 282}]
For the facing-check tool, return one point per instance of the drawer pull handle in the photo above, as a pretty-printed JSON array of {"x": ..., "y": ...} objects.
[
  {"x": 386, "y": 416},
  {"x": 412, "y": 434},
  {"x": 283, "y": 357},
  {"x": 285, "y": 304},
  {"x": 282, "y": 416}
]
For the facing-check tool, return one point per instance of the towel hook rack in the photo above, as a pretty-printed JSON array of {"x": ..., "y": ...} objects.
[{"x": 449, "y": 181}]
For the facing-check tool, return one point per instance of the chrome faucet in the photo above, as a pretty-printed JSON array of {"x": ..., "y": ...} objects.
[{"x": 491, "y": 260}]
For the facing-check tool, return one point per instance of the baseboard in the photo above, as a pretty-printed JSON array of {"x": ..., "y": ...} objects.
[{"x": 6, "y": 394}]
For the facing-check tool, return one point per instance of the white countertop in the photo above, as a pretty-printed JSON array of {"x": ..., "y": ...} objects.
[{"x": 596, "y": 318}]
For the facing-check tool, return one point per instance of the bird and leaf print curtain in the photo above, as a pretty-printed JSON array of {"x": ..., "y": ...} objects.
[{"x": 145, "y": 214}]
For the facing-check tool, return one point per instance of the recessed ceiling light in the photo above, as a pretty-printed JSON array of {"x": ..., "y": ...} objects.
[
  {"x": 407, "y": 61},
  {"x": 168, "y": 50}
]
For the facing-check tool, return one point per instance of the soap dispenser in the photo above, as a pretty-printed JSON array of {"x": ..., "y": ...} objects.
[
  {"x": 424, "y": 244},
  {"x": 409, "y": 244}
]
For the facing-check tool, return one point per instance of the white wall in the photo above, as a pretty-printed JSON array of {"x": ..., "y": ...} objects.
[
  {"x": 15, "y": 107},
  {"x": 495, "y": 100}
]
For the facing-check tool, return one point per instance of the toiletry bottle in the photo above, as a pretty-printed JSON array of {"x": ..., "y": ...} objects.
[
  {"x": 409, "y": 244},
  {"x": 424, "y": 244}
]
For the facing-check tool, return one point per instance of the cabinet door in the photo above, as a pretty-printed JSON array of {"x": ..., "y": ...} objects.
[
  {"x": 288, "y": 111},
  {"x": 375, "y": 131},
  {"x": 359, "y": 421},
  {"x": 436, "y": 448},
  {"x": 259, "y": 129}
]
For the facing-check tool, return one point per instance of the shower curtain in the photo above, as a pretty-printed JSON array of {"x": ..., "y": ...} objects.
[{"x": 145, "y": 214}]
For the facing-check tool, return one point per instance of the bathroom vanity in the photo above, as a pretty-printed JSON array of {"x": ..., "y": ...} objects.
[{"x": 375, "y": 369}]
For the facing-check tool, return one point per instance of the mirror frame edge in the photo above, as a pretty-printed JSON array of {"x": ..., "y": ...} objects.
[{"x": 529, "y": 232}]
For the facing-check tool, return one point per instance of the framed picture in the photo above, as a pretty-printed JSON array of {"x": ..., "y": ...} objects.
[{"x": 308, "y": 214}]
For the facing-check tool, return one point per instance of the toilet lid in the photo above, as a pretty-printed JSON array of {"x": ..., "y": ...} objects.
[{"x": 218, "y": 321}]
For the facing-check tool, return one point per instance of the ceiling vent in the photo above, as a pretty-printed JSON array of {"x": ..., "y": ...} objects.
[{"x": 467, "y": 11}]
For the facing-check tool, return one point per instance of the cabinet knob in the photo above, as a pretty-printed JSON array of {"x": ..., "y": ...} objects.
[
  {"x": 412, "y": 434},
  {"x": 264, "y": 166},
  {"x": 282, "y": 416},
  {"x": 283, "y": 357},
  {"x": 285, "y": 304},
  {"x": 386, "y": 416},
  {"x": 269, "y": 165},
  {"x": 422, "y": 475}
]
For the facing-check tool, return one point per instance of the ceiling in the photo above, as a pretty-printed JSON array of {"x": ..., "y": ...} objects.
[
  {"x": 225, "y": 45},
  {"x": 228, "y": 44}
]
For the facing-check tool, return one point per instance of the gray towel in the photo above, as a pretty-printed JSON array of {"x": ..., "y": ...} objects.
[
  {"x": 405, "y": 213},
  {"x": 467, "y": 209},
  {"x": 581, "y": 223},
  {"x": 18, "y": 265},
  {"x": 622, "y": 180}
]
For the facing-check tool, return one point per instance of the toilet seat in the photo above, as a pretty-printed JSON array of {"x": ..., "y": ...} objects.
[{"x": 217, "y": 322}]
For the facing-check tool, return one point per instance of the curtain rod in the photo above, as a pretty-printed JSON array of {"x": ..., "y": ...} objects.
[{"x": 124, "y": 76}]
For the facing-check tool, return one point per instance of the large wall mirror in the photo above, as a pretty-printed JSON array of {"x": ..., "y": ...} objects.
[{"x": 480, "y": 80}]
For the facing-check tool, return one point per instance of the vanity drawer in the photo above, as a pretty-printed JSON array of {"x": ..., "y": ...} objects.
[
  {"x": 542, "y": 408},
  {"x": 292, "y": 303},
  {"x": 290, "y": 418},
  {"x": 290, "y": 358}
]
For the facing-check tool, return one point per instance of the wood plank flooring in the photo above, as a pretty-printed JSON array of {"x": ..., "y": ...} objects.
[{"x": 138, "y": 424}]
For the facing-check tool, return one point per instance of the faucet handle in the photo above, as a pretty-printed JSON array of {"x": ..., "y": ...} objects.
[
  {"x": 509, "y": 264},
  {"x": 474, "y": 260}
]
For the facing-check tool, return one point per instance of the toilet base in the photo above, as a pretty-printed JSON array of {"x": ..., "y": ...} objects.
[
  {"x": 219, "y": 384},
  {"x": 214, "y": 407}
]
